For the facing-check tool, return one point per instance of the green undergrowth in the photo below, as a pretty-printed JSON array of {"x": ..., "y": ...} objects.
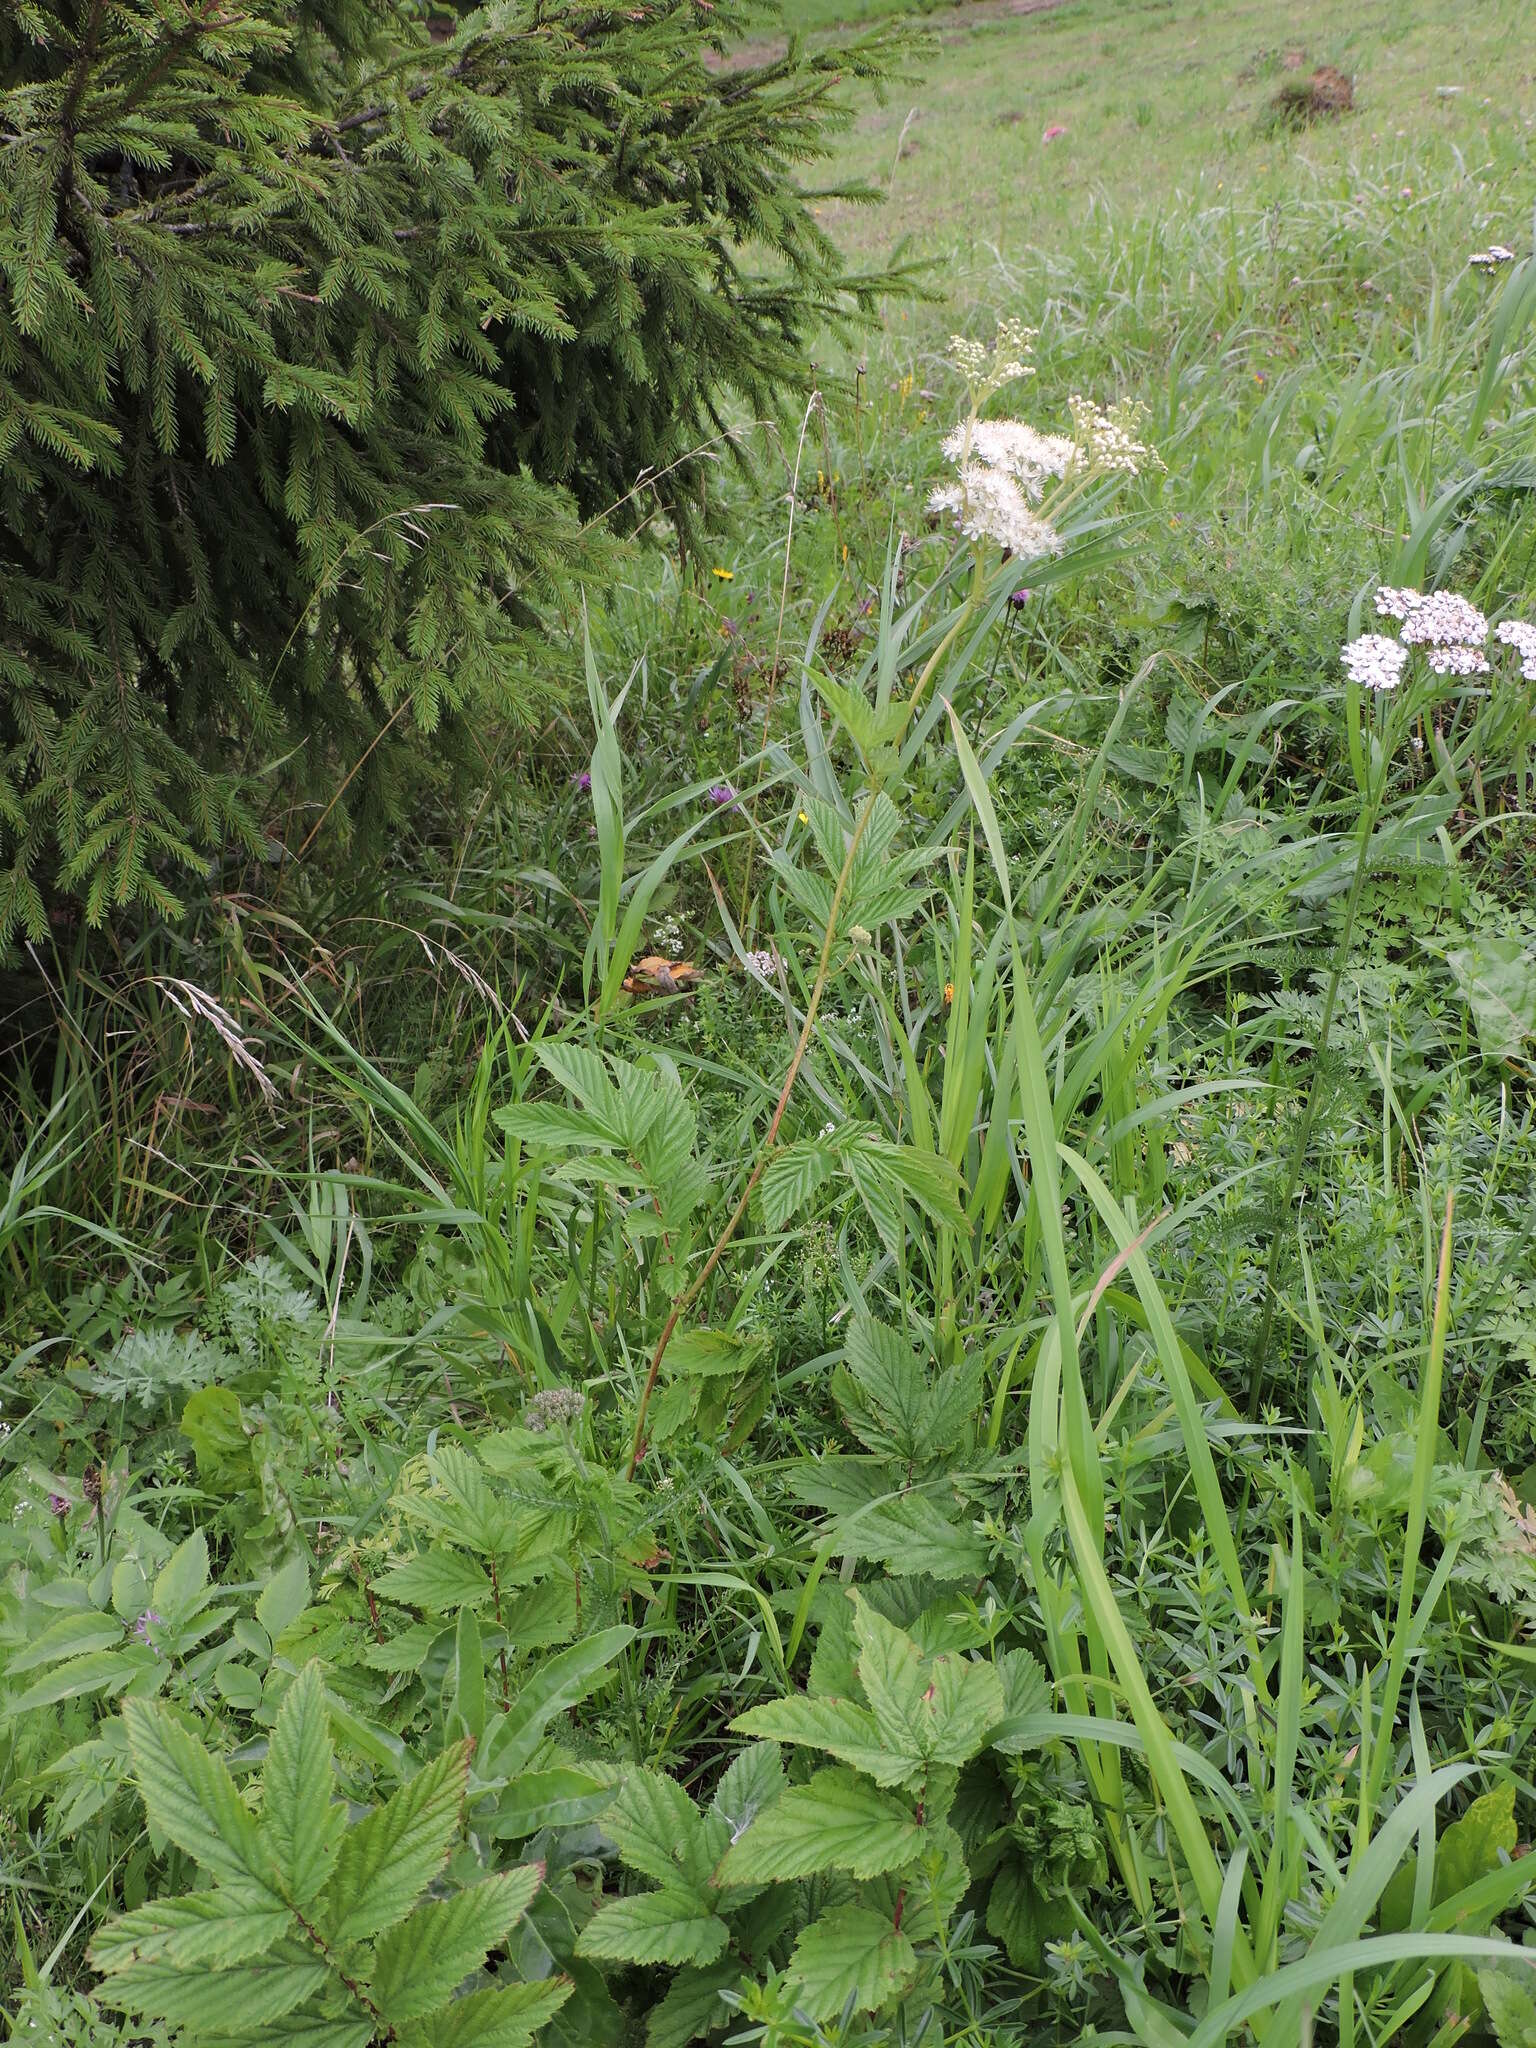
[{"x": 963, "y": 1475}]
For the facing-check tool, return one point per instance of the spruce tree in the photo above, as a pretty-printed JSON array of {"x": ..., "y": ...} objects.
[{"x": 326, "y": 329}]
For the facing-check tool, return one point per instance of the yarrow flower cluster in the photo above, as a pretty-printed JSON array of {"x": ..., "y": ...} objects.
[
  {"x": 1374, "y": 661},
  {"x": 553, "y": 1408},
  {"x": 1449, "y": 630},
  {"x": 1491, "y": 257},
  {"x": 1517, "y": 634},
  {"x": 1442, "y": 619},
  {"x": 1112, "y": 439},
  {"x": 764, "y": 961}
]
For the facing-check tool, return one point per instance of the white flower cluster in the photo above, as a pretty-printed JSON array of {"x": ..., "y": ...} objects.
[
  {"x": 1457, "y": 660},
  {"x": 763, "y": 962},
  {"x": 668, "y": 938},
  {"x": 989, "y": 504},
  {"x": 1491, "y": 257},
  {"x": 1442, "y": 619},
  {"x": 984, "y": 368},
  {"x": 1016, "y": 447},
  {"x": 1517, "y": 634},
  {"x": 1375, "y": 661},
  {"x": 1392, "y": 603},
  {"x": 1111, "y": 439},
  {"x": 553, "y": 1408}
]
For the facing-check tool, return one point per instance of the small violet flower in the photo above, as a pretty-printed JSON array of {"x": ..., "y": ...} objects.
[
  {"x": 721, "y": 795},
  {"x": 582, "y": 781}
]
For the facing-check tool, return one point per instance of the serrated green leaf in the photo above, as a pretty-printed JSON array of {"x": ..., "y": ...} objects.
[
  {"x": 420, "y": 1963},
  {"x": 846, "y": 1731},
  {"x": 107, "y": 1671},
  {"x": 693, "y": 2006},
  {"x": 752, "y": 1781},
  {"x": 666, "y": 1926},
  {"x": 191, "y": 1798},
  {"x": 387, "y": 1861},
  {"x": 72, "y": 1635},
  {"x": 835, "y": 1822},
  {"x": 209, "y": 1929},
  {"x": 791, "y": 1177},
  {"x": 303, "y": 1823},
  {"x": 438, "y": 1581},
  {"x": 704, "y": 1354},
  {"x": 657, "y": 1830},
  {"x": 1511, "y": 2007},
  {"x": 217, "y": 2005},
  {"x": 850, "y": 1953},
  {"x": 506, "y": 2018}
]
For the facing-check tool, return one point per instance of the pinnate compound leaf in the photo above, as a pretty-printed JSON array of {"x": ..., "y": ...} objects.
[
  {"x": 211, "y": 1930},
  {"x": 303, "y": 1824},
  {"x": 753, "y": 1781},
  {"x": 387, "y": 1861},
  {"x": 191, "y": 1799},
  {"x": 666, "y": 1926},
  {"x": 657, "y": 1830},
  {"x": 506, "y": 2018},
  {"x": 791, "y": 1177},
  {"x": 420, "y": 1963},
  {"x": 835, "y": 1822},
  {"x": 850, "y": 1952},
  {"x": 844, "y": 1730},
  {"x": 303, "y": 2033},
  {"x": 939, "y": 1708}
]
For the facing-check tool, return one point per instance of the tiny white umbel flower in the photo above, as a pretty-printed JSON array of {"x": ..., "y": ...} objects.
[
  {"x": 1445, "y": 620},
  {"x": 1374, "y": 661}
]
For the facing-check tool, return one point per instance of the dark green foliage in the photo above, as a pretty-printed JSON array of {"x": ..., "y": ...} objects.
[{"x": 322, "y": 327}]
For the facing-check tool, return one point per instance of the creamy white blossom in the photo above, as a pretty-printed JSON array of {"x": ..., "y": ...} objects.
[
  {"x": 984, "y": 368},
  {"x": 1445, "y": 620},
  {"x": 764, "y": 961},
  {"x": 1111, "y": 439},
  {"x": 1014, "y": 446},
  {"x": 989, "y": 504},
  {"x": 1375, "y": 661},
  {"x": 1517, "y": 634}
]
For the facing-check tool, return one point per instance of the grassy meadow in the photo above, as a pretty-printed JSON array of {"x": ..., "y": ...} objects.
[{"x": 863, "y": 1348}]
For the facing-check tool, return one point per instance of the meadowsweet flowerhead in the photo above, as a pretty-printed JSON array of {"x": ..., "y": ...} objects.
[
  {"x": 1112, "y": 438},
  {"x": 1374, "y": 661},
  {"x": 986, "y": 368},
  {"x": 1016, "y": 448},
  {"x": 989, "y": 504}
]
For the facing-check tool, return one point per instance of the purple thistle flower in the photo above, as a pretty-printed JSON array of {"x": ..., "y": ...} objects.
[
  {"x": 721, "y": 795},
  {"x": 582, "y": 781},
  {"x": 1020, "y": 598}
]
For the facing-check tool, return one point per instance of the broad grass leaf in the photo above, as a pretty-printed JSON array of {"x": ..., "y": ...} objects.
[
  {"x": 191, "y": 1799},
  {"x": 419, "y": 1964},
  {"x": 666, "y": 1926},
  {"x": 387, "y": 1861},
  {"x": 837, "y": 1821},
  {"x": 302, "y": 1823},
  {"x": 850, "y": 1953}
]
